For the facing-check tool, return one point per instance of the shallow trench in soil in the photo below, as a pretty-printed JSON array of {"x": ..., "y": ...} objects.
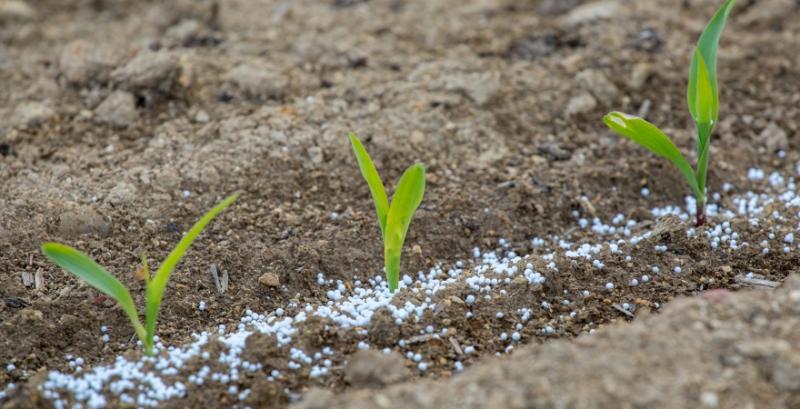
[{"x": 121, "y": 123}]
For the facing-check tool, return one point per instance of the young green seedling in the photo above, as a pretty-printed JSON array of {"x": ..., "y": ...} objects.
[
  {"x": 87, "y": 269},
  {"x": 702, "y": 96},
  {"x": 393, "y": 219}
]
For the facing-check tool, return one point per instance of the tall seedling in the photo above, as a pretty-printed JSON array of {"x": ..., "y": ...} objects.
[
  {"x": 393, "y": 219},
  {"x": 702, "y": 96},
  {"x": 88, "y": 270}
]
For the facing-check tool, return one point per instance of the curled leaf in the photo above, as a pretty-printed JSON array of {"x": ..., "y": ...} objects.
[
  {"x": 707, "y": 47},
  {"x": 406, "y": 200},
  {"x": 649, "y": 136},
  {"x": 374, "y": 182},
  {"x": 87, "y": 269},
  {"x": 706, "y": 99}
]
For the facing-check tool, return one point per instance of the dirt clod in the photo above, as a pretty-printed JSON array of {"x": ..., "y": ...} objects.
[
  {"x": 123, "y": 193},
  {"x": 374, "y": 369},
  {"x": 32, "y": 114},
  {"x": 81, "y": 221},
  {"x": 258, "y": 81},
  {"x": 11, "y": 10},
  {"x": 118, "y": 109},
  {"x": 774, "y": 138},
  {"x": 383, "y": 331},
  {"x": 591, "y": 12},
  {"x": 82, "y": 62},
  {"x": 269, "y": 280},
  {"x": 148, "y": 71},
  {"x": 598, "y": 84},
  {"x": 582, "y": 103},
  {"x": 30, "y": 315}
]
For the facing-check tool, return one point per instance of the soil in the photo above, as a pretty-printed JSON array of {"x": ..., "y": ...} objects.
[
  {"x": 724, "y": 350},
  {"x": 121, "y": 123}
]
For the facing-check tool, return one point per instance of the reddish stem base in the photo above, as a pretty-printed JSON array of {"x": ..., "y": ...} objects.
[{"x": 701, "y": 218}]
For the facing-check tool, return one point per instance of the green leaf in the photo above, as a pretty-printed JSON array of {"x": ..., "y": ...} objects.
[
  {"x": 707, "y": 105},
  {"x": 88, "y": 270},
  {"x": 406, "y": 200},
  {"x": 707, "y": 46},
  {"x": 157, "y": 286},
  {"x": 706, "y": 99},
  {"x": 649, "y": 136},
  {"x": 703, "y": 152},
  {"x": 370, "y": 174}
]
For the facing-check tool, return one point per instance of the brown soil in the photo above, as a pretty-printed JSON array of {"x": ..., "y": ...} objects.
[
  {"x": 110, "y": 110},
  {"x": 721, "y": 350}
]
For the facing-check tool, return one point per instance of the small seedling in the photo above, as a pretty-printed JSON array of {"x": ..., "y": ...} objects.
[
  {"x": 703, "y": 100},
  {"x": 87, "y": 269},
  {"x": 393, "y": 219}
]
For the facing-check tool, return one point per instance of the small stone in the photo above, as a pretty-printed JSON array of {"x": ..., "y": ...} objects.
[
  {"x": 534, "y": 47},
  {"x": 592, "y": 11},
  {"x": 27, "y": 279},
  {"x": 148, "y": 71},
  {"x": 479, "y": 87},
  {"x": 83, "y": 62},
  {"x": 709, "y": 400},
  {"x": 118, "y": 110},
  {"x": 774, "y": 137},
  {"x": 580, "y": 104},
  {"x": 520, "y": 281},
  {"x": 202, "y": 117},
  {"x": 554, "y": 151},
  {"x": 11, "y": 10},
  {"x": 32, "y": 114},
  {"x": 167, "y": 179},
  {"x": 374, "y": 369},
  {"x": 83, "y": 221},
  {"x": 571, "y": 64},
  {"x": 258, "y": 81},
  {"x": 555, "y": 7},
  {"x": 122, "y": 193},
  {"x": 417, "y": 137},
  {"x": 30, "y": 315},
  {"x": 648, "y": 40},
  {"x": 315, "y": 155},
  {"x": 640, "y": 74},
  {"x": 598, "y": 84},
  {"x": 538, "y": 159},
  {"x": 786, "y": 372},
  {"x": 316, "y": 398},
  {"x": 183, "y": 32},
  {"x": 269, "y": 280}
]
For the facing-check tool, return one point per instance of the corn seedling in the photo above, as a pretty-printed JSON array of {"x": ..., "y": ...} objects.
[
  {"x": 87, "y": 269},
  {"x": 393, "y": 219},
  {"x": 703, "y": 99}
]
